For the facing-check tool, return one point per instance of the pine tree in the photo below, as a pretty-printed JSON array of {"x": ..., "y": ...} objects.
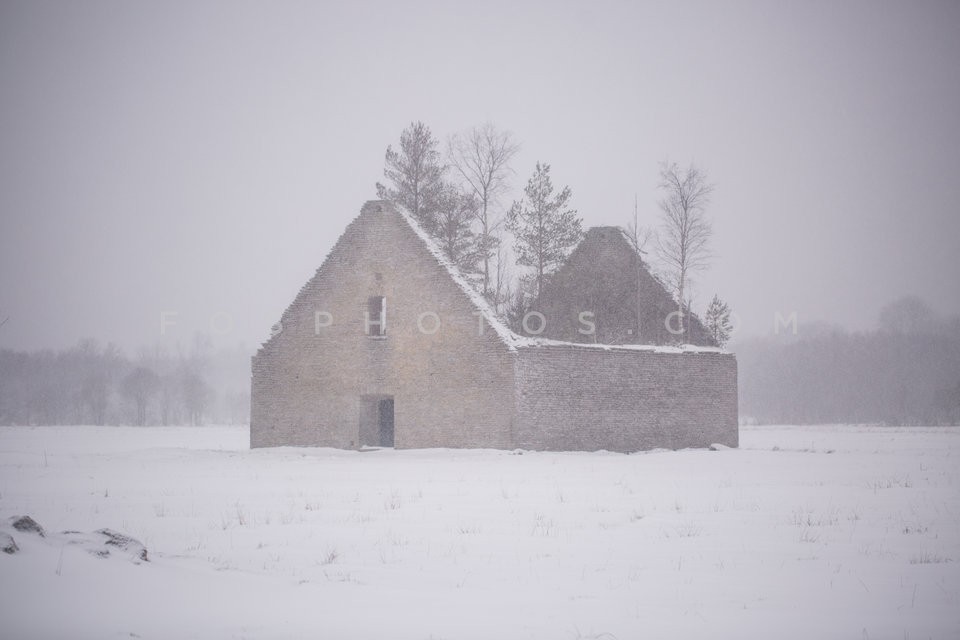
[
  {"x": 717, "y": 321},
  {"x": 416, "y": 175},
  {"x": 518, "y": 301},
  {"x": 544, "y": 227}
]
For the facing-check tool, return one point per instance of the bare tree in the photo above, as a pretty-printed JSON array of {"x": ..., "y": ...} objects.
[
  {"x": 196, "y": 395},
  {"x": 170, "y": 399},
  {"x": 481, "y": 157},
  {"x": 545, "y": 228},
  {"x": 140, "y": 385},
  {"x": 416, "y": 174},
  {"x": 684, "y": 230},
  {"x": 453, "y": 228},
  {"x": 909, "y": 314},
  {"x": 501, "y": 284},
  {"x": 98, "y": 368},
  {"x": 638, "y": 237}
]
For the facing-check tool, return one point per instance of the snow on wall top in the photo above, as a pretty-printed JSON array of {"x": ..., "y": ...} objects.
[
  {"x": 503, "y": 332},
  {"x": 506, "y": 335}
]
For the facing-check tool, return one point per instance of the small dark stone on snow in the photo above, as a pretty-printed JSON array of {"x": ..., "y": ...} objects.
[
  {"x": 26, "y": 524},
  {"x": 7, "y": 544},
  {"x": 125, "y": 542}
]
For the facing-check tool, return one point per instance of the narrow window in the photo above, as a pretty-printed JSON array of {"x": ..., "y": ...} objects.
[{"x": 375, "y": 320}]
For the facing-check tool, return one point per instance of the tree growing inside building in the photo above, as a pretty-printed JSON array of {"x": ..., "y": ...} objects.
[
  {"x": 684, "y": 234},
  {"x": 481, "y": 157},
  {"x": 415, "y": 174},
  {"x": 717, "y": 321},
  {"x": 544, "y": 226},
  {"x": 638, "y": 236},
  {"x": 454, "y": 232}
]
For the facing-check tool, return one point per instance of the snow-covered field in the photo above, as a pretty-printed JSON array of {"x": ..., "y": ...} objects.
[{"x": 805, "y": 532}]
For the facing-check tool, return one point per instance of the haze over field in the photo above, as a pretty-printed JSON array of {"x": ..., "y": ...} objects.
[{"x": 204, "y": 157}]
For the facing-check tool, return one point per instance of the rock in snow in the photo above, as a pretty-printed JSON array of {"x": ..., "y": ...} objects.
[
  {"x": 7, "y": 544},
  {"x": 26, "y": 524},
  {"x": 103, "y": 543},
  {"x": 124, "y": 542},
  {"x": 99, "y": 543}
]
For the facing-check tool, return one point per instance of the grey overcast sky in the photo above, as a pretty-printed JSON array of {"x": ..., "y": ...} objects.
[{"x": 203, "y": 157}]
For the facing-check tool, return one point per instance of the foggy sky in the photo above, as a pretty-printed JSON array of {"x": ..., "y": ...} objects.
[{"x": 204, "y": 157}]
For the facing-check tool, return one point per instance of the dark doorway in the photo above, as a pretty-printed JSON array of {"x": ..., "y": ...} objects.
[
  {"x": 376, "y": 421},
  {"x": 385, "y": 420}
]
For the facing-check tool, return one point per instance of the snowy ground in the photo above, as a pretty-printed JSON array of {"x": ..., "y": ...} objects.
[{"x": 840, "y": 532}]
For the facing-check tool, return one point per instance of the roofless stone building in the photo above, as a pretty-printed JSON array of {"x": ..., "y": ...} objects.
[
  {"x": 627, "y": 304},
  {"x": 388, "y": 345}
]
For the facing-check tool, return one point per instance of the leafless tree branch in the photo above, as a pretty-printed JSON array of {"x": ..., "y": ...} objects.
[
  {"x": 481, "y": 156},
  {"x": 685, "y": 231}
]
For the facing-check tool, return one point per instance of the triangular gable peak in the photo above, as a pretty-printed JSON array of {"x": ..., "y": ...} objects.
[
  {"x": 508, "y": 337},
  {"x": 646, "y": 266},
  {"x": 607, "y": 264},
  {"x": 477, "y": 301}
]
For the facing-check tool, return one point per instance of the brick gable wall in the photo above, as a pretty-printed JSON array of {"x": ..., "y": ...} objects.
[
  {"x": 458, "y": 387},
  {"x": 453, "y": 388}
]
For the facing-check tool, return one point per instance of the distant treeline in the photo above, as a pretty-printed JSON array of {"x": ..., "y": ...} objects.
[
  {"x": 906, "y": 372},
  {"x": 99, "y": 385}
]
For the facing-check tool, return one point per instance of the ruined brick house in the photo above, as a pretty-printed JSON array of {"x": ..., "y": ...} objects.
[
  {"x": 388, "y": 345},
  {"x": 606, "y": 277}
]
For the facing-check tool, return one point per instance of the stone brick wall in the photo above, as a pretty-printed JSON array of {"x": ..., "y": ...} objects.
[
  {"x": 581, "y": 398},
  {"x": 458, "y": 387},
  {"x": 452, "y": 388},
  {"x": 604, "y": 276}
]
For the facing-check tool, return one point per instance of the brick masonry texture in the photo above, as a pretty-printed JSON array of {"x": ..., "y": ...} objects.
[
  {"x": 452, "y": 388},
  {"x": 604, "y": 275},
  {"x": 575, "y": 398},
  {"x": 459, "y": 387}
]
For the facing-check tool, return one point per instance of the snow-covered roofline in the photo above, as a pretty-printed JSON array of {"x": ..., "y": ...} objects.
[
  {"x": 506, "y": 335},
  {"x": 489, "y": 315},
  {"x": 649, "y": 348}
]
